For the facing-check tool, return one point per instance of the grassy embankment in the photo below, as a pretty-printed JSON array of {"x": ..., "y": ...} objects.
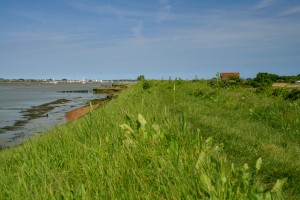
[{"x": 156, "y": 143}]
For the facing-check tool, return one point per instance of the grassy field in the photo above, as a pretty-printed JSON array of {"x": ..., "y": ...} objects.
[
  {"x": 164, "y": 140},
  {"x": 287, "y": 85}
]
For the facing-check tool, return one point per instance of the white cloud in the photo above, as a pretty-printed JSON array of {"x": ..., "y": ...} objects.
[
  {"x": 137, "y": 30},
  {"x": 264, "y": 4},
  {"x": 291, "y": 11},
  {"x": 165, "y": 13}
]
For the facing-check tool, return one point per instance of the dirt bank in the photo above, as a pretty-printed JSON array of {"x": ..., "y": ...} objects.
[
  {"x": 288, "y": 85},
  {"x": 79, "y": 112},
  {"x": 112, "y": 93}
]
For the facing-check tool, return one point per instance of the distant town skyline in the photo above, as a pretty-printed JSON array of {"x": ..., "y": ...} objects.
[{"x": 113, "y": 39}]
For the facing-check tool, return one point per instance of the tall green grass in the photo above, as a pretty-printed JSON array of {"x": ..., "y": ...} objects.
[{"x": 169, "y": 140}]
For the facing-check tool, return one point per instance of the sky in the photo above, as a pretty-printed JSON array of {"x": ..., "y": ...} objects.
[{"x": 122, "y": 39}]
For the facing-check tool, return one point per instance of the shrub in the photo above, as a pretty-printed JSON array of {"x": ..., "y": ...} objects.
[
  {"x": 230, "y": 82},
  {"x": 262, "y": 80},
  {"x": 214, "y": 82},
  {"x": 146, "y": 85},
  {"x": 294, "y": 95},
  {"x": 140, "y": 78},
  {"x": 280, "y": 92}
]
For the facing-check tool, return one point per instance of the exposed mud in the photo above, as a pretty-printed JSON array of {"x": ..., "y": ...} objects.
[
  {"x": 75, "y": 91},
  {"x": 34, "y": 113}
]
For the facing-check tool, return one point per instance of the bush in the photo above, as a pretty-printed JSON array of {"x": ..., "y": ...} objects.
[
  {"x": 293, "y": 95},
  {"x": 146, "y": 85},
  {"x": 280, "y": 92},
  {"x": 214, "y": 82},
  {"x": 230, "y": 82},
  {"x": 140, "y": 78},
  {"x": 262, "y": 80}
]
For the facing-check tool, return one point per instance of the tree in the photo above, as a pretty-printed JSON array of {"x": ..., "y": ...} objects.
[
  {"x": 274, "y": 77},
  {"x": 140, "y": 78},
  {"x": 262, "y": 80}
]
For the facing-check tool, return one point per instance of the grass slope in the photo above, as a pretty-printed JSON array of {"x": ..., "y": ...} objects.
[{"x": 164, "y": 140}]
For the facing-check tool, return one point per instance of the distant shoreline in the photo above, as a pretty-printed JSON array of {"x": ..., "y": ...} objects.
[{"x": 53, "y": 81}]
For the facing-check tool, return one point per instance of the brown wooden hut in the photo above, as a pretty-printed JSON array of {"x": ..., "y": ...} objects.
[{"x": 226, "y": 75}]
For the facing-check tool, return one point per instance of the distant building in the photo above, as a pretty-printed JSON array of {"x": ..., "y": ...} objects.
[
  {"x": 226, "y": 75},
  {"x": 297, "y": 82}
]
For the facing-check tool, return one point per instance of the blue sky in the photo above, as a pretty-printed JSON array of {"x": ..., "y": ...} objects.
[{"x": 100, "y": 39}]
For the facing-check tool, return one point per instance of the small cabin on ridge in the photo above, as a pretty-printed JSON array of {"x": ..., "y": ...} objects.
[{"x": 226, "y": 75}]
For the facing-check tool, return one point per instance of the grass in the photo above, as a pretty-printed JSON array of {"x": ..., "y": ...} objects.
[{"x": 169, "y": 140}]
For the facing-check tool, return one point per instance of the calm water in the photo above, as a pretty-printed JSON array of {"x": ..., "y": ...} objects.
[{"x": 17, "y": 97}]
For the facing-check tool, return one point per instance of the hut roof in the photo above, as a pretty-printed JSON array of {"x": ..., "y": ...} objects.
[{"x": 225, "y": 75}]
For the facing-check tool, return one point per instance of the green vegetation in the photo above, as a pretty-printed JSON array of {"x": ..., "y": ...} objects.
[
  {"x": 3, "y": 80},
  {"x": 262, "y": 83},
  {"x": 229, "y": 82},
  {"x": 262, "y": 80},
  {"x": 140, "y": 78},
  {"x": 111, "y": 90},
  {"x": 166, "y": 140},
  {"x": 272, "y": 78}
]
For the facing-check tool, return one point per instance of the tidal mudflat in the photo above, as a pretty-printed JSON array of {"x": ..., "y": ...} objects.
[{"x": 29, "y": 109}]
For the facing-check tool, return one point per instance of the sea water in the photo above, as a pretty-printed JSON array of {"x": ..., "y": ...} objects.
[{"x": 18, "y": 97}]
